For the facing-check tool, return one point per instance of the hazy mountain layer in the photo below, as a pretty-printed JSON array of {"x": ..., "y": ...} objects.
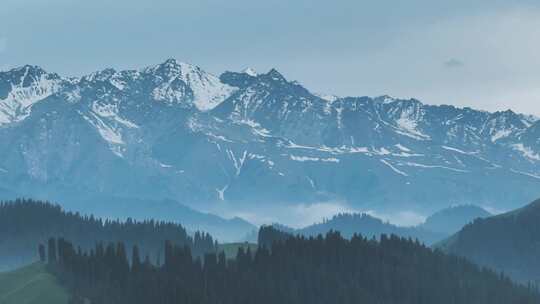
[{"x": 450, "y": 220}]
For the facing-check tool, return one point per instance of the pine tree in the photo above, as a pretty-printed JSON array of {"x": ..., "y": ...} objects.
[
  {"x": 52, "y": 251},
  {"x": 42, "y": 257}
]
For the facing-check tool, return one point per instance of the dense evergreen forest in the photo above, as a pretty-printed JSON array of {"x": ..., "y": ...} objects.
[
  {"x": 297, "y": 270},
  {"x": 25, "y": 223}
]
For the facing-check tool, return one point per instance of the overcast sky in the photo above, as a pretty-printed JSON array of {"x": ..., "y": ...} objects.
[{"x": 477, "y": 53}]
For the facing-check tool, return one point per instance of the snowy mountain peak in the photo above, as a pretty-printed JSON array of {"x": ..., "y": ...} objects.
[
  {"x": 275, "y": 75},
  {"x": 208, "y": 90},
  {"x": 26, "y": 75},
  {"x": 172, "y": 62},
  {"x": 250, "y": 72},
  {"x": 31, "y": 70},
  {"x": 170, "y": 69},
  {"x": 21, "y": 88}
]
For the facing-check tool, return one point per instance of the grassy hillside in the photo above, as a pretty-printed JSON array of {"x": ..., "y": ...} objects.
[{"x": 31, "y": 285}]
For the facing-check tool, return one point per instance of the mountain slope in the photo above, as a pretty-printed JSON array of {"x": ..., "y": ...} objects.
[
  {"x": 509, "y": 242},
  {"x": 175, "y": 132}
]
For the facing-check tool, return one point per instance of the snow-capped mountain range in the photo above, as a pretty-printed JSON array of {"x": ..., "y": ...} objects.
[{"x": 174, "y": 131}]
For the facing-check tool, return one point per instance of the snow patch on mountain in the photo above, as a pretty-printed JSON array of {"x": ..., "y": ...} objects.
[
  {"x": 250, "y": 72},
  {"x": 108, "y": 132},
  {"x": 386, "y": 99},
  {"x": 432, "y": 167},
  {"x": 499, "y": 134},
  {"x": 403, "y": 148},
  {"x": 238, "y": 162},
  {"x": 221, "y": 192},
  {"x": 457, "y": 150},
  {"x": 526, "y": 174},
  {"x": 381, "y": 151},
  {"x": 528, "y": 120},
  {"x": 261, "y": 158},
  {"x": 526, "y": 151},
  {"x": 256, "y": 127},
  {"x": 110, "y": 111},
  {"x": 393, "y": 168},
  {"x": 33, "y": 86},
  {"x": 408, "y": 127},
  {"x": 328, "y": 97},
  {"x": 313, "y": 159},
  {"x": 219, "y": 137}
]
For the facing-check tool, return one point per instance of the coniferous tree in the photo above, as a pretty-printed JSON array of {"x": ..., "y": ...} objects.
[
  {"x": 52, "y": 251},
  {"x": 42, "y": 255},
  {"x": 136, "y": 264}
]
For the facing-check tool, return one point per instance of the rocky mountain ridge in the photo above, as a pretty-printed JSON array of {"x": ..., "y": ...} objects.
[{"x": 245, "y": 140}]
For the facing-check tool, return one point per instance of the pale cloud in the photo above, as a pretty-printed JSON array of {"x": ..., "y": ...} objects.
[
  {"x": 314, "y": 213},
  {"x": 296, "y": 216}
]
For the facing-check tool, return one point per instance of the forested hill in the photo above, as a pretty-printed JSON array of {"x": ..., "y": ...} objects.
[
  {"x": 26, "y": 223},
  {"x": 295, "y": 270},
  {"x": 508, "y": 242},
  {"x": 349, "y": 224}
]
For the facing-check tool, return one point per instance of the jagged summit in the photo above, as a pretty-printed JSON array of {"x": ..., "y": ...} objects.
[
  {"x": 172, "y": 62},
  {"x": 21, "y": 88},
  {"x": 26, "y": 74},
  {"x": 208, "y": 91},
  {"x": 275, "y": 75},
  {"x": 27, "y": 68}
]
